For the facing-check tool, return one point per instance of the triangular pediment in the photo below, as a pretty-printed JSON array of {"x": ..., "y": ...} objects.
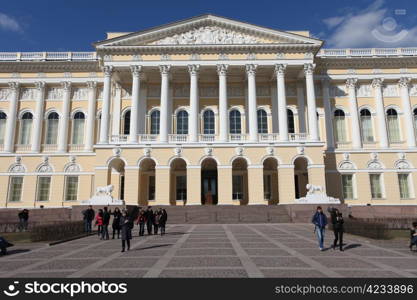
[{"x": 208, "y": 30}]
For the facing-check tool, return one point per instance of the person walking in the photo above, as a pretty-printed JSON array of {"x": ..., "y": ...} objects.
[
  {"x": 156, "y": 217},
  {"x": 116, "y": 222},
  {"x": 413, "y": 236},
  {"x": 88, "y": 217},
  {"x": 338, "y": 229},
  {"x": 126, "y": 228},
  {"x": 149, "y": 220},
  {"x": 162, "y": 220},
  {"x": 4, "y": 244},
  {"x": 320, "y": 221},
  {"x": 23, "y": 220},
  {"x": 141, "y": 222},
  {"x": 99, "y": 223},
  {"x": 106, "y": 222}
]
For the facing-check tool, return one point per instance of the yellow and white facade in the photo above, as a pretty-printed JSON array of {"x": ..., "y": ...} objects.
[{"x": 208, "y": 111}]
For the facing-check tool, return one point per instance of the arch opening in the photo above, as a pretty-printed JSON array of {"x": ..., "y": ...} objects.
[
  {"x": 270, "y": 176},
  {"x": 209, "y": 184},
  {"x": 300, "y": 177},
  {"x": 240, "y": 181}
]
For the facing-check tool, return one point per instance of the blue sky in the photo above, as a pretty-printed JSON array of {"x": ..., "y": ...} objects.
[{"x": 59, "y": 25}]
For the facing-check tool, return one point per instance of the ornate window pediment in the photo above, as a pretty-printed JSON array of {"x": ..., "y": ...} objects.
[
  {"x": 402, "y": 164},
  {"x": 17, "y": 168}
]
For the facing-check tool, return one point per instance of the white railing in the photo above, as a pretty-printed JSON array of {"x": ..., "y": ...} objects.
[
  {"x": 343, "y": 145},
  {"x": 178, "y": 138},
  {"x": 30, "y": 56},
  {"x": 49, "y": 147},
  {"x": 23, "y": 147},
  {"x": 76, "y": 147},
  {"x": 146, "y": 138},
  {"x": 302, "y": 136},
  {"x": 119, "y": 138},
  {"x": 207, "y": 137},
  {"x": 236, "y": 137},
  {"x": 367, "y": 52},
  {"x": 268, "y": 137}
]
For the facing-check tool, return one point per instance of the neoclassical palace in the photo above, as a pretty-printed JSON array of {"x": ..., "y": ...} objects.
[{"x": 208, "y": 111}]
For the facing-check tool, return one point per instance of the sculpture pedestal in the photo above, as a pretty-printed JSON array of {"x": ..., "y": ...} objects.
[
  {"x": 317, "y": 198},
  {"x": 102, "y": 200}
]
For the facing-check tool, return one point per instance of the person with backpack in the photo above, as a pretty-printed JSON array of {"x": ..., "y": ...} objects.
[
  {"x": 320, "y": 222},
  {"x": 126, "y": 227},
  {"x": 99, "y": 223}
]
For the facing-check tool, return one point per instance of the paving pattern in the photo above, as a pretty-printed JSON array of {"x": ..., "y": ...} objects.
[{"x": 215, "y": 250}]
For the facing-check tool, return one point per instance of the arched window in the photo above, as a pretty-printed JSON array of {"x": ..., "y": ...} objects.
[
  {"x": 155, "y": 117},
  {"x": 393, "y": 126},
  {"x": 78, "y": 129},
  {"x": 366, "y": 126},
  {"x": 52, "y": 129},
  {"x": 126, "y": 122},
  {"x": 262, "y": 121},
  {"x": 25, "y": 128},
  {"x": 290, "y": 120},
  {"x": 208, "y": 120},
  {"x": 235, "y": 123},
  {"x": 3, "y": 119},
  {"x": 182, "y": 122},
  {"x": 339, "y": 125}
]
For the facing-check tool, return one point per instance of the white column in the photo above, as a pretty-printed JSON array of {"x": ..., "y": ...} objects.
[
  {"x": 163, "y": 126},
  {"x": 328, "y": 114},
  {"x": 311, "y": 103},
  {"x": 193, "y": 118},
  {"x": 380, "y": 111},
  {"x": 64, "y": 119},
  {"x": 301, "y": 107},
  {"x": 354, "y": 113},
  {"x": 408, "y": 115},
  {"x": 91, "y": 115},
  {"x": 282, "y": 103},
  {"x": 115, "y": 109},
  {"x": 11, "y": 118},
  {"x": 38, "y": 118},
  {"x": 105, "y": 111},
  {"x": 274, "y": 108},
  {"x": 224, "y": 118},
  {"x": 134, "y": 113},
  {"x": 142, "y": 105},
  {"x": 252, "y": 106}
]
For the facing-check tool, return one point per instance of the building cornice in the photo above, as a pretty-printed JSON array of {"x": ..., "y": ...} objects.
[{"x": 51, "y": 66}]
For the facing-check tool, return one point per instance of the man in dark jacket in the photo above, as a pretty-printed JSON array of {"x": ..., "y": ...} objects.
[
  {"x": 320, "y": 221},
  {"x": 162, "y": 220},
  {"x": 106, "y": 222},
  {"x": 337, "y": 222},
  {"x": 4, "y": 245},
  {"x": 149, "y": 220},
  {"x": 23, "y": 220},
  {"x": 88, "y": 217}
]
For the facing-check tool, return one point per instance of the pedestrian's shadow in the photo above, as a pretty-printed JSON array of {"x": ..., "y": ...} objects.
[
  {"x": 352, "y": 246},
  {"x": 176, "y": 233},
  {"x": 152, "y": 247},
  {"x": 15, "y": 251}
]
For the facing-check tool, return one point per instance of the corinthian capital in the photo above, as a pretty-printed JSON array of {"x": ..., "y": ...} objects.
[
  {"x": 309, "y": 69},
  {"x": 280, "y": 69},
  {"x": 193, "y": 69},
  {"x": 40, "y": 85},
  {"x": 377, "y": 82},
  {"x": 251, "y": 69},
  {"x": 404, "y": 82},
  {"x": 108, "y": 70},
  {"x": 351, "y": 82},
  {"x": 136, "y": 70},
  {"x": 92, "y": 84},
  {"x": 222, "y": 69},
  {"x": 14, "y": 86},
  {"x": 164, "y": 69},
  {"x": 66, "y": 85}
]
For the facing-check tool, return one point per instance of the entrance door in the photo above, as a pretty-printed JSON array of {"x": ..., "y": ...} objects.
[{"x": 209, "y": 187}]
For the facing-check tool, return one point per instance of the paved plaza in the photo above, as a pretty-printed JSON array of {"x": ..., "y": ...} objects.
[{"x": 241, "y": 250}]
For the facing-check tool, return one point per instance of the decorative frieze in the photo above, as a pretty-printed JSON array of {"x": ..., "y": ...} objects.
[
  {"x": 390, "y": 90},
  {"x": 5, "y": 94},
  {"x": 28, "y": 94},
  {"x": 364, "y": 90},
  {"x": 54, "y": 93},
  {"x": 79, "y": 93}
]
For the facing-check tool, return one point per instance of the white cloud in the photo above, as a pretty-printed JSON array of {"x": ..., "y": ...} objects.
[
  {"x": 9, "y": 23},
  {"x": 368, "y": 28}
]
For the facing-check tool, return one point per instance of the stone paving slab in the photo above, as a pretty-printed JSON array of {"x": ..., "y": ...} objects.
[{"x": 215, "y": 250}]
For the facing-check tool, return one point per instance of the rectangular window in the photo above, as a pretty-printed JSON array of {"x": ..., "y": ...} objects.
[
  {"x": 151, "y": 187},
  {"x": 237, "y": 187},
  {"x": 347, "y": 186},
  {"x": 181, "y": 188},
  {"x": 15, "y": 188},
  {"x": 43, "y": 187},
  {"x": 403, "y": 181},
  {"x": 71, "y": 188},
  {"x": 376, "y": 186}
]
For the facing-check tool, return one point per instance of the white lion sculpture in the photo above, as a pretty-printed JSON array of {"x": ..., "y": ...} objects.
[
  {"x": 311, "y": 189},
  {"x": 106, "y": 190}
]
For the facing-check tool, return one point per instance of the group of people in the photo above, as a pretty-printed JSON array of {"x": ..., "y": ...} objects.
[
  {"x": 123, "y": 223},
  {"x": 320, "y": 222}
]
